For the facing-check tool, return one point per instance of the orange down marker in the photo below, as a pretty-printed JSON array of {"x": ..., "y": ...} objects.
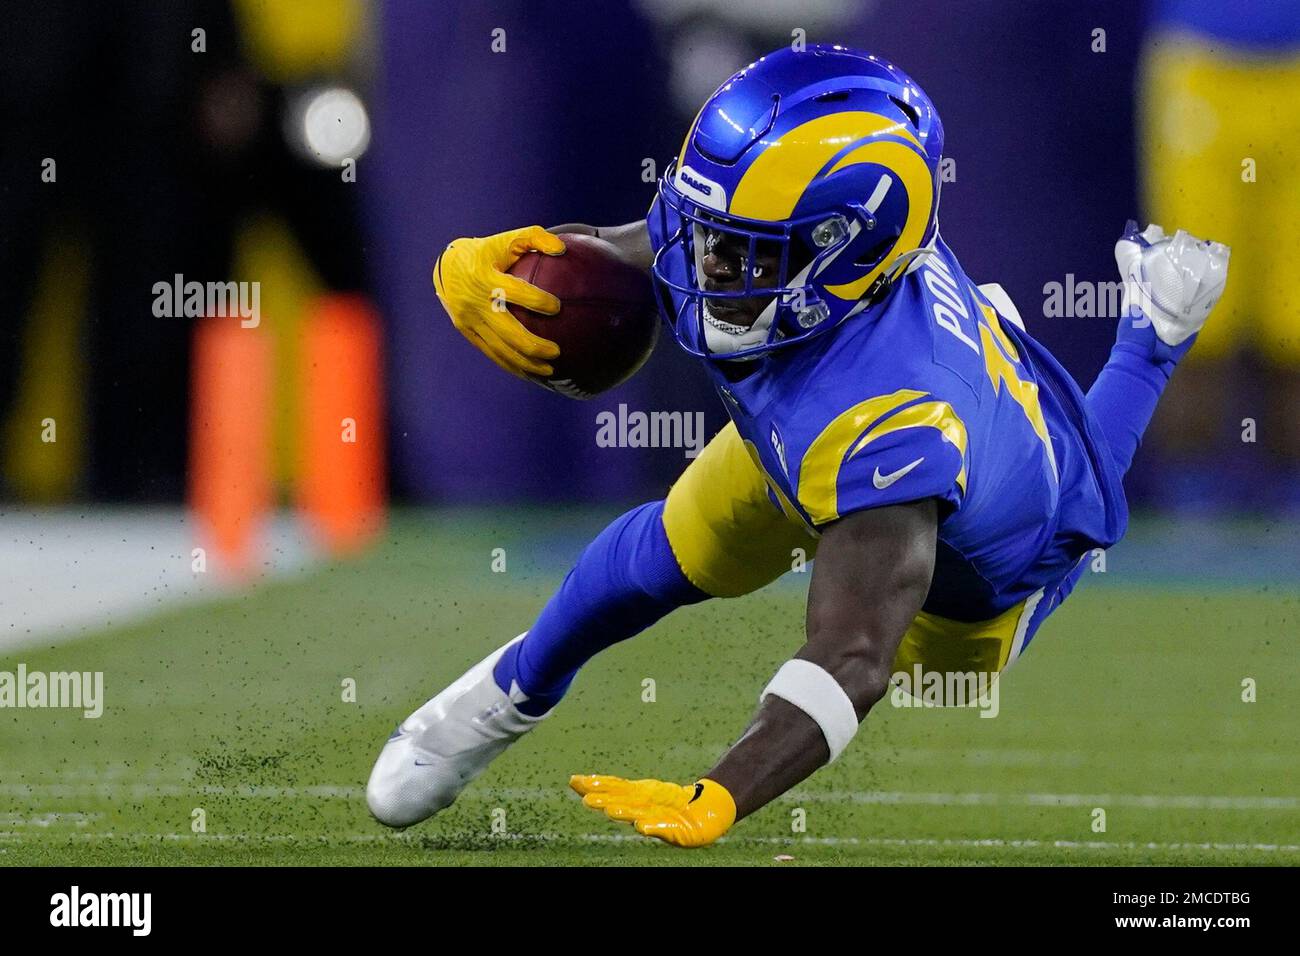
[
  {"x": 230, "y": 441},
  {"x": 341, "y": 481}
]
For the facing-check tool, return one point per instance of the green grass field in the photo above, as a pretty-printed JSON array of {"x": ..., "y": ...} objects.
[{"x": 1129, "y": 700}]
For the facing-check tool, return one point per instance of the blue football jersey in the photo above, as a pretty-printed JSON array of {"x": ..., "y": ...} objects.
[{"x": 932, "y": 394}]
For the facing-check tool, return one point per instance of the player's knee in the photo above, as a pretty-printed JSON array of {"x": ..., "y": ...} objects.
[{"x": 649, "y": 563}]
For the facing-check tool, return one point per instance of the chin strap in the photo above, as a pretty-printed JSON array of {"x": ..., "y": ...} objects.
[
  {"x": 720, "y": 340},
  {"x": 910, "y": 261}
]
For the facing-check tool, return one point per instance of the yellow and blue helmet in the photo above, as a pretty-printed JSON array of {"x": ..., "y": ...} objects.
[{"x": 828, "y": 155}]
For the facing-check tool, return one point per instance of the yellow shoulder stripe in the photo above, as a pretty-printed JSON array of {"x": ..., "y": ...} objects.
[
  {"x": 924, "y": 415},
  {"x": 819, "y": 473}
]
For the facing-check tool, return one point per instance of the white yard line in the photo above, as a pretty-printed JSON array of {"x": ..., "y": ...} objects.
[
  {"x": 140, "y": 791},
  {"x": 884, "y": 754},
  {"x": 47, "y": 819},
  {"x": 563, "y": 838},
  {"x": 1026, "y": 844},
  {"x": 1151, "y": 801},
  {"x": 144, "y": 791},
  {"x": 1020, "y": 757}
]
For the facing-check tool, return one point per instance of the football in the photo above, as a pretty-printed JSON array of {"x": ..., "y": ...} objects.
[{"x": 607, "y": 324}]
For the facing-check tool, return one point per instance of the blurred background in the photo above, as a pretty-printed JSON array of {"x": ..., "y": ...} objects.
[{"x": 325, "y": 151}]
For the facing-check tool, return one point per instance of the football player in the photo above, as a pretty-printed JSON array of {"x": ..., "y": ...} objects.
[{"x": 887, "y": 415}]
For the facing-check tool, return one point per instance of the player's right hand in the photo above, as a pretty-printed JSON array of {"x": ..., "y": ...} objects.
[
  {"x": 472, "y": 283},
  {"x": 689, "y": 816}
]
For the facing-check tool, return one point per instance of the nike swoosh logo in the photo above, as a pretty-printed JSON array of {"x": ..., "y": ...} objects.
[{"x": 884, "y": 481}]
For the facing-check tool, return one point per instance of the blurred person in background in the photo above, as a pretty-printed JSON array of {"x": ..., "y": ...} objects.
[
  {"x": 104, "y": 194},
  {"x": 177, "y": 141},
  {"x": 1220, "y": 155}
]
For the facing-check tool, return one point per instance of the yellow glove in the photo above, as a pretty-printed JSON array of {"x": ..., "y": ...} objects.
[
  {"x": 469, "y": 277},
  {"x": 694, "y": 815}
]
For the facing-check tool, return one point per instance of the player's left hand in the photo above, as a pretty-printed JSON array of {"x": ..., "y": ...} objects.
[
  {"x": 689, "y": 816},
  {"x": 1175, "y": 281}
]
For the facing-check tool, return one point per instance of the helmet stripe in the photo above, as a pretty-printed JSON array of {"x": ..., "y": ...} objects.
[
  {"x": 911, "y": 169},
  {"x": 776, "y": 180}
]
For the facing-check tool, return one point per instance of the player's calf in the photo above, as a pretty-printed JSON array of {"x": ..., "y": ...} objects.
[{"x": 625, "y": 581}]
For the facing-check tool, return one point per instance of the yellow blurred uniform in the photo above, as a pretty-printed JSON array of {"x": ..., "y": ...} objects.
[{"x": 1221, "y": 155}]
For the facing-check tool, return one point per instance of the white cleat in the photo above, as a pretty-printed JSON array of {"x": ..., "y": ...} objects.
[
  {"x": 1175, "y": 280},
  {"x": 436, "y": 752}
]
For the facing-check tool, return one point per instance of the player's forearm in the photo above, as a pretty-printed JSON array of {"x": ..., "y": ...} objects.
[
  {"x": 631, "y": 239},
  {"x": 783, "y": 745},
  {"x": 872, "y": 574}
]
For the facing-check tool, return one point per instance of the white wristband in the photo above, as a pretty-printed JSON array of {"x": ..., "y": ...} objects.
[{"x": 819, "y": 695}]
